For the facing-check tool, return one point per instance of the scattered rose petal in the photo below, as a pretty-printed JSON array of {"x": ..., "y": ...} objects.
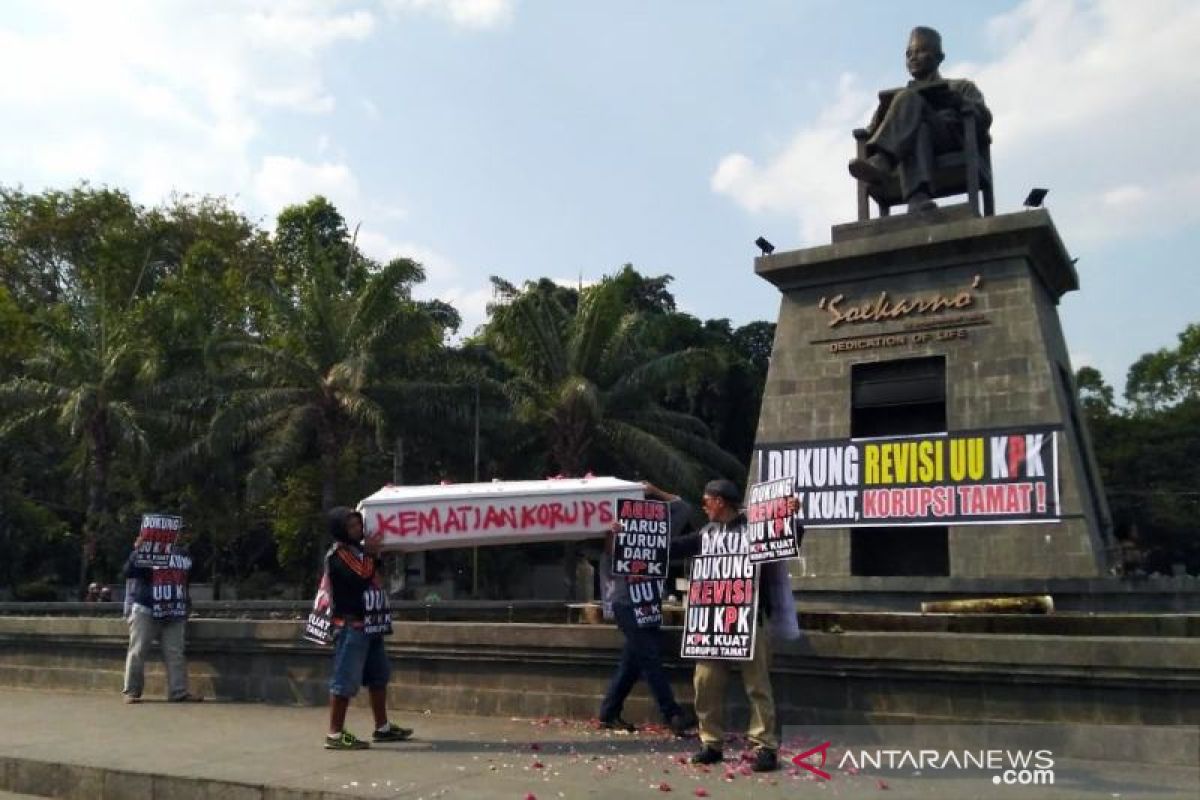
[
  {"x": 530, "y": 796},
  {"x": 881, "y": 784},
  {"x": 535, "y": 747},
  {"x": 700, "y": 792},
  {"x": 664, "y": 787},
  {"x": 538, "y": 765}
]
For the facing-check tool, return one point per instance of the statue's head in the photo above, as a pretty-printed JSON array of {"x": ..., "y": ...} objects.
[{"x": 924, "y": 54}]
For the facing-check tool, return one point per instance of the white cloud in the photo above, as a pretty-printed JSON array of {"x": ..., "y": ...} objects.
[
  {"x": 307, "y": 32},
  {"x": 283, "y": 180},
  {"x": 440, "y": 269},
  {"x": 391, "y": 211},
  {"x": 1083, "y": 359},
  {"x": 308, "y": 98},
  {"x": 471, "y": 305},
  {"x": 476, "y": 14},
  {"x": 369, "y": 108},
  {"x": 156, "y": 97},
  {"x": 807, "y": 178},
  {"x": 578, "y": 282},
  {"x": 161, "y": 97},
  {"x": 1124, "y": 196},
  {"x": 1092, "y": 99}
]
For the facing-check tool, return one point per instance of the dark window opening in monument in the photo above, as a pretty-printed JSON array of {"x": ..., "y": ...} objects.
[{"x": 895, "y": 398}]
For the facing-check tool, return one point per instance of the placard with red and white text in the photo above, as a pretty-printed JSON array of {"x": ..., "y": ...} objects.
[{"x": 157, "y": 536}]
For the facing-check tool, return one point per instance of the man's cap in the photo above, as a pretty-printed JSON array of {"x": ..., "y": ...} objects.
[{"x": 725, "y": 489}]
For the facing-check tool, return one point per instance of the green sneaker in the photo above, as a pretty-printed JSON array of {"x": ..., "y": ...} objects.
[
  {"x": 392, "y": 733},
  {"x": 345, "y": 741}
]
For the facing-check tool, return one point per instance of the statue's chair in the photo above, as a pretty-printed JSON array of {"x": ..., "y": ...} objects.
[{"x": 967, "y": 171}]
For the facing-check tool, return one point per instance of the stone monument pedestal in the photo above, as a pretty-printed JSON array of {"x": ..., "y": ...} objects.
[{"x": 934, "y": 322}]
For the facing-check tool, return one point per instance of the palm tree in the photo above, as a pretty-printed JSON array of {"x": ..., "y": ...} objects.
[
  {"x": 316, "y": 380},
  {"x": 91, "y": 380},
  {"x": 591, "y": 390}
]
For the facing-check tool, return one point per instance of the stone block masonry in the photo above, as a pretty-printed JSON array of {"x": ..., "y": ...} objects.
[{"x": 981, "y": 293}]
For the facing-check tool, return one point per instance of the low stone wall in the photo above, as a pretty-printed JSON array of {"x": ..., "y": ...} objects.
[
  {"x": 1148, "y": 686},
  {"x": 1109, "y": 595}
]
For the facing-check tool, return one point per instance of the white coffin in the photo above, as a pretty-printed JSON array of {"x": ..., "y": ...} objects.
[{"x": 502, "y": 512}]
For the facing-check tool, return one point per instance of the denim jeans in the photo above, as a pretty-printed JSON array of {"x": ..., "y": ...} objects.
[
  {"x": 641, "y": 657},
  {"x": 358, "y": 659}
]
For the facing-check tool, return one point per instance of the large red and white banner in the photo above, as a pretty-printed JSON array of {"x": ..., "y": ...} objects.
[{"x": 502, "y": 512}]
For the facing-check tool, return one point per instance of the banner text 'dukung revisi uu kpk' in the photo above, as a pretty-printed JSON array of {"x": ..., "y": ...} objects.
[{"x": 959, "y": 478}]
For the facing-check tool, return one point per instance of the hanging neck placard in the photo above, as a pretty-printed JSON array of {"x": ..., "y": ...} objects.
[
  {"x": 722, "y": 598},
  {"x": 642, "y": 547},
  {"x": 156, "y": 540}
]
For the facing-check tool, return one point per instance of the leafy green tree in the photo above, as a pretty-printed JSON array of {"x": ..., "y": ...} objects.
[
  {"x": 82, "y": 259},
  {"x": 317, "y": 383},
  {"x": 33, "y": 537},
  {"x": 589, "y": 390},
  {"x": 218, "y": 275},
  {"x": 1149, "y": 459},
  {"x": 1168, "y": 376},
  {"x": 1095, "y": 396},
  {"x": 90, "y": 378}
]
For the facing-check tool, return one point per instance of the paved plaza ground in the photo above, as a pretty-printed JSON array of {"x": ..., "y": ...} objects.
[{"x": 233, "y": 750}]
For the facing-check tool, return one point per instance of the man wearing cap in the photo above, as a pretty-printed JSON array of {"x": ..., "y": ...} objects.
[{"x": 722, "y": 507}]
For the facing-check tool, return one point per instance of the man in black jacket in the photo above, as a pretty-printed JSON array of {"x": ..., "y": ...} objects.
[
  {"x": 641, "y": 657},
  {"x": 360, "y": 620}
]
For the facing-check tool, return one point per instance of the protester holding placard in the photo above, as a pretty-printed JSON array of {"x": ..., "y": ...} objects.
[
  {"x": 726, "y": 532},
  {"x": 157, "y": 604},
  {"x": 635, "y": 603},
  {"x": 361, "y": 619},
  {"x": 774, "y": 529},
  {"x": 157, "y": 539}
]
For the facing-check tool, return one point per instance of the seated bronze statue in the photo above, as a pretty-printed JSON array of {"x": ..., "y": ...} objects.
[{"x": 914, "y": 125}]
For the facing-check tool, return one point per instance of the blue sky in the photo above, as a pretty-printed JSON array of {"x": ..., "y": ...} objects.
[{"x": 563, "y": 138}]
